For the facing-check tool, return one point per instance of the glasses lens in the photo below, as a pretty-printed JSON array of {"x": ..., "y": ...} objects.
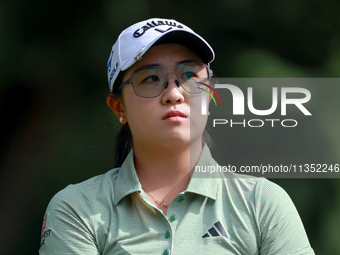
[
  {"x": 192, "y": 76},
  {"x": 149, "y": 81}
]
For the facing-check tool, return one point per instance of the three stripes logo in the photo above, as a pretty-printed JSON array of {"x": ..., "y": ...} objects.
[{"x": 216, "y": 230}]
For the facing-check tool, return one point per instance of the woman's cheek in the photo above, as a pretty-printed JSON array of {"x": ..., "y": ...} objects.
[{"x": 198, "y": 120}]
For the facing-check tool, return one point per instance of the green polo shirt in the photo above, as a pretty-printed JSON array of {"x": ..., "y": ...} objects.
[{"x": 111, "y": 214}]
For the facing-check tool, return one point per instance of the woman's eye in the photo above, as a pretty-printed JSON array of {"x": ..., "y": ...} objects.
[
  {"x": 152, "y": 78},
  {"x": 188, "y": 75}
]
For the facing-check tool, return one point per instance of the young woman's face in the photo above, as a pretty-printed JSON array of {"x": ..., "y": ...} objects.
[{"x": 173, "y": 117}]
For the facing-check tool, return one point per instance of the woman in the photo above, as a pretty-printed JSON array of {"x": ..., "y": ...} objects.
[{"x": 152, "y": 202}]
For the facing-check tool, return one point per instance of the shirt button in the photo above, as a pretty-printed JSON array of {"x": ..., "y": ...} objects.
[
  {"x": 167, "y": 235},
  {"x": 172, "y": 218},
  {"x": 181, "y": 198},
  {"x": 166, "y": 252}
]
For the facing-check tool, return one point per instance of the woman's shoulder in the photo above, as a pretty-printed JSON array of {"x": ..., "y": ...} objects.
[
  {"x": 266, "y": 198},
  {"x": 275, "y": 215},
  {"x": 259, "y": 191},
  {"x": 89, "y": 190},
  {"x": 75, "y": 214},
  {"x": 252, "y": 183},
  {"x": 97, "y": 181}
]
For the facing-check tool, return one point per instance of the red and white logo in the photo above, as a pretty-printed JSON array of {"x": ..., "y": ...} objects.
[{"x": 44, "y": 224}]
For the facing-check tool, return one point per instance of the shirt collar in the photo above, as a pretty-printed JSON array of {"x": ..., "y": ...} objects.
[
  {"x": 203, "y": 185},
  {"x": 127, "y": 181}
]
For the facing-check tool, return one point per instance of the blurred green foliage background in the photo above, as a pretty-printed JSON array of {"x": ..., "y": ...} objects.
[{"x": 56, "y": 128}]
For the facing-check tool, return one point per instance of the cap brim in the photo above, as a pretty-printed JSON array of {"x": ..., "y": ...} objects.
[{"x": 196, "y": 44}]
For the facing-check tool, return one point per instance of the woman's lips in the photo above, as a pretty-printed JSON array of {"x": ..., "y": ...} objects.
[{"x": 175, "y": 116}]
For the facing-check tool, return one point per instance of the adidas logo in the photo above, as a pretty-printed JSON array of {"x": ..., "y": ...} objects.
[{"x": 217, "y": 230}]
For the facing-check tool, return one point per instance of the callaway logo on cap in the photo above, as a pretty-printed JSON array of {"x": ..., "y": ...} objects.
[{"x": 137, "y": 39}]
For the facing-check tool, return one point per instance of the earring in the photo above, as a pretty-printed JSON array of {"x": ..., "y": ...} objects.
[
  {"x": 121, "y": 119},
  {"x": 208, "y": 113}
]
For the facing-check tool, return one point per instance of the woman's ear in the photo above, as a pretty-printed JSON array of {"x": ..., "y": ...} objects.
[{"x": 116, "y": 104}]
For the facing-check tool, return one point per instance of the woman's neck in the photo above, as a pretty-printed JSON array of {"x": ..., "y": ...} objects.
[
  {"x": 166, "y": 163},
  {"x": 165, "y": 171}
]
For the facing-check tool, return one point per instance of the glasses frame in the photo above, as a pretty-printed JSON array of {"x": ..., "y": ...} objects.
[{"x": 130, "y": 81}]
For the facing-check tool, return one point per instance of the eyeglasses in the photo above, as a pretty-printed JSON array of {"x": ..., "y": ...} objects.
[{"x": 150, "y": 81}]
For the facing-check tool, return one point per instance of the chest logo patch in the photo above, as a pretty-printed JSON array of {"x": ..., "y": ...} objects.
[{"x": 216, "y": 230}]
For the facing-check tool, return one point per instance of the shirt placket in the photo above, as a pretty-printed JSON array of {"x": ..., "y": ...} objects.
[{"x": 171, "y": 219}]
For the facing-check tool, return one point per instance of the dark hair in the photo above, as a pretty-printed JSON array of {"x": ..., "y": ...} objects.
[{"x": 124, "y": 137}]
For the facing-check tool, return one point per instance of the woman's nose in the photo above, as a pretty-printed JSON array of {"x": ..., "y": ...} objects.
[{"x": 173, "y": 92}]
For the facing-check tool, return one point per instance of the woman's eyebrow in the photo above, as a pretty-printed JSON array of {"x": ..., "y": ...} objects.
[
  {"x": 147, "y": 66},
  {"x": 186, "y": 61},
  {"x": 179, "y": 62}
]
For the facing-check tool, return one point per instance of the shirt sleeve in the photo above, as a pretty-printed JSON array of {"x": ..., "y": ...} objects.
[
  {"x": 67, "y": 227},
  {"x": 281, "y": 228}
]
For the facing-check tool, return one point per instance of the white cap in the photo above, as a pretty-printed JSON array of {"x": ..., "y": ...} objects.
[{"x": 137, "y": 39}]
